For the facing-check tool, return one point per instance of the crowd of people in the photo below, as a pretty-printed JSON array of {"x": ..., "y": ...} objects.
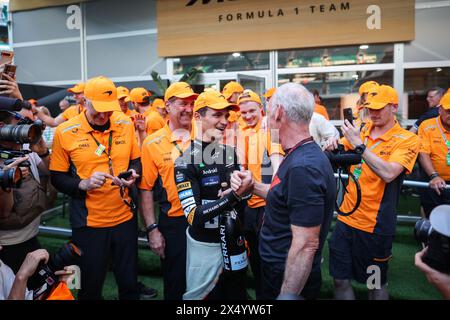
[{"x": 182, "y": 162}]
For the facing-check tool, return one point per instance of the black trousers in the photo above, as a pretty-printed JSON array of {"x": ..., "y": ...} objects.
[
  {"x": 272, "y": 280},
  {"x": 101, "y": 246},
  {"x": 253, "y": 218},
  {"x": 14, "y": 255},
  {"x": 230, "y": 286},
  {"x": 173, "y": 230}
]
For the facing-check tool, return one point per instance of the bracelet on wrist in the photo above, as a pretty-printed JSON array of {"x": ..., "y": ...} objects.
[{"x": 434, "y": 175}]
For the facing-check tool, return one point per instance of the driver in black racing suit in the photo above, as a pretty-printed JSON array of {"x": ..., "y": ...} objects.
[{"x": 199, "y": 173}]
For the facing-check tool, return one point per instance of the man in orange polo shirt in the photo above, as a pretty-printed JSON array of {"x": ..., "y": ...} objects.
[
  {"x": 152, "y": 120},
  {"x": 231, "y": 91},
  {"x": 318, "y": 108},
  {"x": 362, "y": 241},
  {"x": 70, "y": 112},
  {"x": 434, "y": 157},
  {"x": 262, "y": 158},
  {"x": 167, "y": 237},
  {"x": 360, "y": 112},
  {"x": 89, "y": 152},
  {"x": 122, "y": 95}
]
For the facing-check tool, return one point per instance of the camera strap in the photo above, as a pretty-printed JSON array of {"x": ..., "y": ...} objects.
[{"x": 447, "y": 143}]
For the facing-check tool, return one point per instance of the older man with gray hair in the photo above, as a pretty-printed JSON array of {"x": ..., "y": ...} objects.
[{"x": 300, "y": 201}]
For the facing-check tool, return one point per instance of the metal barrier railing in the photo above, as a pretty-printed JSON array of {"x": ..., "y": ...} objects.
[{"x": 143, "y": 242}]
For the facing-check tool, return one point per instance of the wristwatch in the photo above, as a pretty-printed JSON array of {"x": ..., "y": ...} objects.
[
  {"x": 45, "y": 154},
  {"x": 359, "y": 149},
  {"x": 151, "y": 227}
]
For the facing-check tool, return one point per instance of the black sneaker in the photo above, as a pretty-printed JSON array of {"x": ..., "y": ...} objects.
[{"x": 146, "y": 292}]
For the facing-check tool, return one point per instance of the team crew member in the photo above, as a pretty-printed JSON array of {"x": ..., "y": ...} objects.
[
  {"x": 199, "y": 173},
  {"x": 299, "y": 204},
  {"x": 231, "y": 91},
  {"x": 360, "y": 113},
  {"x": 70, "y": 112},
  {"x": 365, "y": 237},
  {"x": 269, "y": 93},
  {"x": 89, "y": 152},
  {"x": 434, "y": 157},
  {"x": 167, "y": 238},
  {"x": 262, "y": 158},
  {"x": 160, "y": 106},
  {"x": 122, "y": 95},
  {"x": 318, "y": 108},
  {"x": 434, "y": 95}
]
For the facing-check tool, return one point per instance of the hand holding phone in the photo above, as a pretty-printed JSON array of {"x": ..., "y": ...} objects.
[
  {"x": 125, "y": 175},
  {"x": 348, "y": 115}
]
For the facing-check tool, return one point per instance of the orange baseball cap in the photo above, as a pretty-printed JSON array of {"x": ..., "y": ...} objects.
[
  {"x": 367, "y": 87},
  {"x": 269, "y": 93},
  {"x": 34, "y": 102},
  {"x": 381, "y": 96},
  {"x": 230, "y": 88},
  {"x": 138, "y": 95},
  {"x": 102, "y": 93},
  {"x": 249, "y": 95},
  {"x": 214, "y": 100},
  {"x": 179, "y": 90},
  {"x": 122, "y": 92},
  {"x": 445, "y": 101},
  {"x": 159, "y": 103},
  {"x": 78, "y": 88}
]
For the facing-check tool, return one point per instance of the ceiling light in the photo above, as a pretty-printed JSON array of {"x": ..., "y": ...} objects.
[
  {"x": 236, "y": 54},
  {"x": 364, "y": 47}
]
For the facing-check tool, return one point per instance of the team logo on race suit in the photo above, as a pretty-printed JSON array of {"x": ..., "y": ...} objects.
[
  {"x": 210, "y": 181},
  {"x": 209, "y": 171},
  {"x": 179, "y": 177}
]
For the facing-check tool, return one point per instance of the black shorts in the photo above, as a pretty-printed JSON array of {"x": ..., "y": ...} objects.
[{"x": 353, "y": 251}]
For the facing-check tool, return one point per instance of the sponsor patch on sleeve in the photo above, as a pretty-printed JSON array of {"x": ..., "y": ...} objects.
[
  {"x": 187, "y": 202},
  {"x": 183, "y": 186},
  {"x": 185, "y": 194}
]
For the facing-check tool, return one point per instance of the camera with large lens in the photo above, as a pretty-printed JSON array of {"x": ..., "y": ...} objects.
[
  {"x": 44, "y": 279},
  {"x": 341, "y": 158},
  {"x": 10, "y": 178},
  {"x": 341, "y": 161},
  {"x": 435, "y": 233}
]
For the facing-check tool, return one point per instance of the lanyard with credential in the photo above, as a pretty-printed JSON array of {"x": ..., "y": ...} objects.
[
  {"x": 101, "y": 148},
  {"x": 447, "y": 143},
  {"x": 358, "y": 169}
]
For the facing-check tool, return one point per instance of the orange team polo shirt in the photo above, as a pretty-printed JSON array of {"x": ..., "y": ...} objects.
[
  {"x": 130, "y": 112},
  {"x": 74, "y": 149},
  {"x": 377, "y": 211},
  {"x": 72, "y": 111},
  {"x": 433, "y": 144},
  {"x": 255, "y": 156},
  {"x": 159, "y": 153},
  {"x": 153, "y": 122},
  {"x": 321, "y": 110}
]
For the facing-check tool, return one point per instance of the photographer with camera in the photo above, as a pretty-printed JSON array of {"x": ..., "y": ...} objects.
[
  {"x": 24, "y": 197},
  {"x": 438, "y": 279},
  {"x": 365, "y": 237},
  {"x": 95, "y": 160}
]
